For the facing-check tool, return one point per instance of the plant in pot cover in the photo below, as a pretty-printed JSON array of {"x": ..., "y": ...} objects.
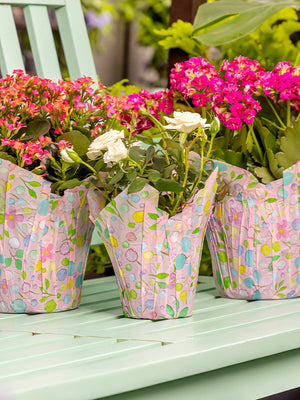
[
  {"x": 157, "y": 203},
  {"x": 254, "y": 230},
  {"x": 45, "y": 230}
]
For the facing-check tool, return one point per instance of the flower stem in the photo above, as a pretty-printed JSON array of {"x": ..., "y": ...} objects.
[
  {"x": 275, "y": 112},
  {"x": 288, "y": 117},
  {"x": 160, "y": 126},
  {"x": 256, "y": 142}
]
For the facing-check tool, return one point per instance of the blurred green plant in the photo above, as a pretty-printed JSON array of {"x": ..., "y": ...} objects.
[
  {"x": 98, "y": 262},
  {"x": 275, "y": 38}
]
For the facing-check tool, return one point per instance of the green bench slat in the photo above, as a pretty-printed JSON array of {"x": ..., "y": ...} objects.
[
  {"x": 20, "y": 3},
  {"x": 114, "y": 357},
  {"x": 42, "y": 42},
  {"x": 75, "y": 40},
  {"x": 10, "y": 51}
]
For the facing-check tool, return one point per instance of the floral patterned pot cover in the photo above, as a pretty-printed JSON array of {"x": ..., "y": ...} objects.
[
  {"x": 155, "y": 258},
  {"x": 44, "y": 242},
  {"x": 253, "y": 236}
]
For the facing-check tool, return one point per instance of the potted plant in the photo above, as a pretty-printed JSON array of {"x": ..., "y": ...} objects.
[
  {"x": 253, "y": 232},
  {"x": 152, "y": 202},
  {"x": 45, "y": 230}
]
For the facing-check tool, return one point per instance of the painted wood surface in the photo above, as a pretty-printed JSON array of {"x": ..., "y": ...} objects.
[{"x": 94, "y": 352}]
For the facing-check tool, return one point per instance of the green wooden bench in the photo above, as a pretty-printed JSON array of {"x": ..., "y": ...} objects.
[
  {"x": 73, "y": 33},
  {"x": 228, "y": 350}
]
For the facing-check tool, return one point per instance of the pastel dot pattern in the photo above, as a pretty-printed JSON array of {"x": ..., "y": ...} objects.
[
  {"x": 155, "y": 258},
  {"x": 44, "y": 243},
  {"x": 254, "y": 236}
]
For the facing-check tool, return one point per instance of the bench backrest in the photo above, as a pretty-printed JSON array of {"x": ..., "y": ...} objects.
[{"x": 72, "y": 30}]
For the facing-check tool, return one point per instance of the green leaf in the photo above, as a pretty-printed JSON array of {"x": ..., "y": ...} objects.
[
  {"x": 116, "y": 178},
  {"x": 19, "y": 253},
  {"x": 34, "y": 130},
  {"x": 153, "y": 176},
  {"x": 153, "y": 216},
  {"x": 162, "y": 285},
  {"x": 289, "y": 146},
  {"x": 136, "y": 154},
  {"x": 7, "y": 157},
  {"x": 234, "y": 158},
  {"x": 281, "y": 295},
  {"x": 275, "y": 258},
  {"x": 240, "y": 176},
  {"x": 177, "y": 305},
  {"x": 272, "y": 200},
  {"x": 168, "y": 170},
  {"x": 23, "y": 275},
  {"x": 149, "y": 153},
  {"x": 70, "y": 184},
  {"x": 131, "y": 176},
  {"x": 47, "y": 283},
  {"x": 8, "y": 262},
  {"x": 280, "y": 283},
  {"x": 152, "y": 227},
  {"x": 34, "y": 184},
  {"x": 196, "y": 231},
  {"x": 77, "y": 139},
  {"x": 183, "y": 312},
  {"x": 18, "y": 264},
  {"x": 282, "y": 288},
  {"x": 227, "y": 20},
  {"x": 161, "y": 275},
  {"x": 252, "y": 185},
  {"x": 270, "y": 267},
  {"x": 110, "y": 209},
  {"x": 32, "y": 193},
  {"x": 137, "y": 185},
  {"x": 159, "y": 163},
  {"x": 43, "y": 299},
  {"x": 167, "y": 185},
  {"x": 264, "y": 174},
  {"x": 170, "y": 310}
]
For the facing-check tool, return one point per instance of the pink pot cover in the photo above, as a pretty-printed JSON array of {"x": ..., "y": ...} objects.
[
  {"x": 44, "y": 242},
  {"x": 155, "y": 258},
  {"x": 253, "y": 236}
]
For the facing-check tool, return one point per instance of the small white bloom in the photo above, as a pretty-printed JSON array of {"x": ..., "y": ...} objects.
[
  {"x": 102, "y": 142},
  {"x": 185, "y": 121},
  {"x": 115, "y": 152},
  {"x": 66, "y": 155}
]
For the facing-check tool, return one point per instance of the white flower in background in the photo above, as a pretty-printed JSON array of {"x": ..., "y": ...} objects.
[
  {"x": 115, "y": 152},
  {"x": 103, "y": 142},
  {"x": 185, "y": 121},
  {"x": 68, "y": 155}
]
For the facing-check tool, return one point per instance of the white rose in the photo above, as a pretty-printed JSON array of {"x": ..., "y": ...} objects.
[
  {"x": 185, "y": 121},
  {"x": 115, "y": 152},
  {"x": 66, "y": 155},
  {"x": 102, "y": 142}
]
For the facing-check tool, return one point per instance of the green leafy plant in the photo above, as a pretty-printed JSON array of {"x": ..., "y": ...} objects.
[{"x": 274, "y": 35}]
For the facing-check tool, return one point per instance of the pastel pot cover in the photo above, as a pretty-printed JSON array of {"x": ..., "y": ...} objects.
[
  {"x": 253, "y": 235},
  {"x": 44, "y": 242},
  {"x": 155, "y": 258}
]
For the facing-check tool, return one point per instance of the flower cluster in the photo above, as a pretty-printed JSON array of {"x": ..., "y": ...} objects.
[
  {"x": 259, "y": 110},
  {"x": 39, "y": 118}
]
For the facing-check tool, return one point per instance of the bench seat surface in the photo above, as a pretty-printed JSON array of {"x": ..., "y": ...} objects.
[{"x": 227, "y": 349}]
